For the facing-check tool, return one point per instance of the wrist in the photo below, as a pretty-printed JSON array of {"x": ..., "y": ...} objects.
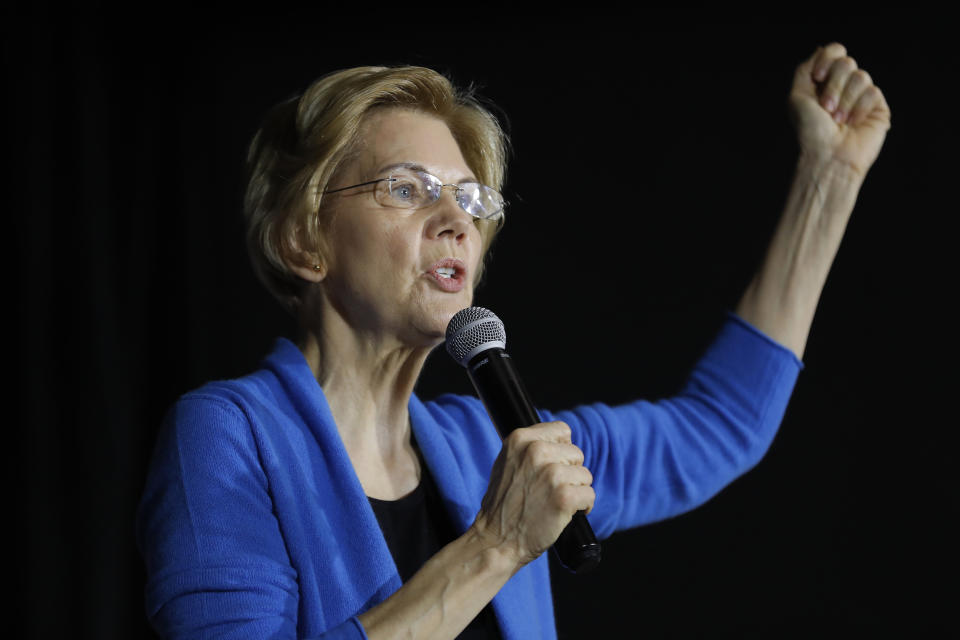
[
  {"x": 446, "y": 593},
  {"x": 496, "y": 555},
  {"x": 826, "y": 170},
  {"x": 821, "y": 200}
]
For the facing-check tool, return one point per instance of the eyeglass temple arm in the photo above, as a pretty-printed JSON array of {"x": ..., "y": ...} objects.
[{"x": 362, "y": 184}]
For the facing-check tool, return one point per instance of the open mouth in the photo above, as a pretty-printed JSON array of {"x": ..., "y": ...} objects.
[{"x": 449, "y": 273}]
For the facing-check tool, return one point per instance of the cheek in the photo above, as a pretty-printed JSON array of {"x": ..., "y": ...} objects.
[
  {"x": 396, "y": 245},
  {"x": 478, "y": 249},
  {"x": 370, "y": 241}
]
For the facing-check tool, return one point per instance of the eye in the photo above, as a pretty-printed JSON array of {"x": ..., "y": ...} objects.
[{"x": 404, "y": 191}]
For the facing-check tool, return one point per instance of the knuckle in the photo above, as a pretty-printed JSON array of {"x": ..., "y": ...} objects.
[
  {"x": 589, "y": 476},
  {"x": 836, "y": 48},
  {"x": 563, "y": 429},
  {"x": 862, "y": 76},
  {"x": 565, "y": 497},
  {"x": 516, "y": 438},
  {"x": 537, "y": 452},
  {"x": 578, "y": 456},
  {"x": 555, "y": 473}
]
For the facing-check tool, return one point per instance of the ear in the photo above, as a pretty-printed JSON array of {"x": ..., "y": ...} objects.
[
  {"x": 305, "y": 262},
  {"x": 310, "y": 268}
]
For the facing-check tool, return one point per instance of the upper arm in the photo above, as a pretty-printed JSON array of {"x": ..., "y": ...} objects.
[
  {"x": 216, "y": 558},
  {"x": 655, "y": 460}
]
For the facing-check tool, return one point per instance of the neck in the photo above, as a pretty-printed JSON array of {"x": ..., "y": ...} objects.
[{"x": 367, "y": 378}]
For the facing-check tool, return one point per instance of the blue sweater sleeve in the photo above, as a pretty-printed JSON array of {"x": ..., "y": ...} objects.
[
  {"x": 655, "y": 460},
  {"x": 217, "y": 564}
]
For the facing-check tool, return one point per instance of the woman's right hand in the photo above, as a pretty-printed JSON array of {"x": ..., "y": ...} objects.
[{"x": 537, "y": 483}]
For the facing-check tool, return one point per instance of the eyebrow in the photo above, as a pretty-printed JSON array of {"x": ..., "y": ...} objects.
[{"x": 413, "y": 166}]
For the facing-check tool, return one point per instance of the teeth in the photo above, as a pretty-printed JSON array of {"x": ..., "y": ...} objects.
[{"x": 446, "y": 272}]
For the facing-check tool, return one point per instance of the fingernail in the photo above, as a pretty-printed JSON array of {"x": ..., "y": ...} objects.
[
  {"x": 830, "y": 105},
  {"x": 839, "y": 116}
]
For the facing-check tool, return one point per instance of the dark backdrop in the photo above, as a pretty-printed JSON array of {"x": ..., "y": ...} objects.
[{"x": 650, "y": 164}]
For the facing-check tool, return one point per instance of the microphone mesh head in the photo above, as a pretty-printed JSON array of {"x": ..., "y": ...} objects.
[{"x": 473, "y": 330}]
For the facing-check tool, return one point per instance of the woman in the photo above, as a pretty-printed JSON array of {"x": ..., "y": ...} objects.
[{"x": 278, "y": 504}]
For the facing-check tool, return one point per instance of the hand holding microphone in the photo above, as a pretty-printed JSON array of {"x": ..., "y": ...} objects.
[{"x": 538, "y": 480}]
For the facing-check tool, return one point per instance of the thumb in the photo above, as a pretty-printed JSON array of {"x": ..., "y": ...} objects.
[{"x": 803, "y": 77}]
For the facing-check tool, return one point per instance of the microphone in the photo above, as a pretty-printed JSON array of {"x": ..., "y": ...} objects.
[{"x": 476, "y": 339}]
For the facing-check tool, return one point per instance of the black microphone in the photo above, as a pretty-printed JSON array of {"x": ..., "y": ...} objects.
[{"x": 476, "y": 339}]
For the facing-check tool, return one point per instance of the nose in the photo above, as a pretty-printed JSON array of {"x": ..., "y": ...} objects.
[{"x": 447, "y": 217}]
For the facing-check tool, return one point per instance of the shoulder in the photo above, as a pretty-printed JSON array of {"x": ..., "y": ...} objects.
[
  {"x": 221, "y": 401},
  {"x": 280, "y": 381},
  {"x": 209, "y": 446},
  {"x": 201, "y": 429},
  {"x": 221, "y": 417}
]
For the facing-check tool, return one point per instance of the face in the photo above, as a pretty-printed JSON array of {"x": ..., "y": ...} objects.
[{"x": 397, "y": 272}]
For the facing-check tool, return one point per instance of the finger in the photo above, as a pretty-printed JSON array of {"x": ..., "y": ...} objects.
[
  {"x": 572, "y": 498},
  {"x": 857, "y": 82},
  {"x": 840, "y": 71},
  {"x": 825, "y": 57},
  {"x": 550, "y": 431},
  {"x": 559, "y": 475},
  {"x": 882, "y": 111},
  {"x": 556, "y": 431},
  {"x": 803, "y": 75},
  {"x": 542, "y": 453},
  {"x": 861, "y": 108},
  {"x": 869, "y": 100}
]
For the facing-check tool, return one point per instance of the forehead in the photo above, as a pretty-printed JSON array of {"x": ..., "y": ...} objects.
[{"x": 392, "y": 136}]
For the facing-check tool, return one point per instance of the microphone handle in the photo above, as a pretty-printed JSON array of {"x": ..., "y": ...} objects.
[{"x": 503, "y": 394}]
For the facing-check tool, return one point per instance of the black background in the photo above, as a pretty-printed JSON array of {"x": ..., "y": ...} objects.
[{"x": 651, "y": 160}]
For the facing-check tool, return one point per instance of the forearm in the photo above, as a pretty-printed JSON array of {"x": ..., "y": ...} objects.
[
  {"x": 782, "y": 298},
  {"x": 441, "y": 599}
]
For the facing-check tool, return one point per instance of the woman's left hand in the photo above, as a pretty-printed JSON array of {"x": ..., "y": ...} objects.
[{"x": 839, "y": 114}]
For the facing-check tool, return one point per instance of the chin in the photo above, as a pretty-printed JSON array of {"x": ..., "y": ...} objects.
[
  {"x": 425, "y": 337},
  {"x": 433, "y": 325}
]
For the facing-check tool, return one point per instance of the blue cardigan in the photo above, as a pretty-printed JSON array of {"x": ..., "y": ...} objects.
[{"x": 253, "y": 523}]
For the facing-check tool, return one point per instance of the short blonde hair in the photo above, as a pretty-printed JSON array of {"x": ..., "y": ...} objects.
[{"x": 303, "y": 141}]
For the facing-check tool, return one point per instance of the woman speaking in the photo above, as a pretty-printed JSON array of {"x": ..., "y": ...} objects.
[{"x": 320, "y": 497}]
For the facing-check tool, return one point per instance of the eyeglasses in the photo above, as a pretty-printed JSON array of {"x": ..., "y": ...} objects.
[{"x": 412, "y": 189}]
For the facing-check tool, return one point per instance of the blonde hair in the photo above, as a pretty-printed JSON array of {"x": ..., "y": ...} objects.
[{"x": 303, "y": 141}]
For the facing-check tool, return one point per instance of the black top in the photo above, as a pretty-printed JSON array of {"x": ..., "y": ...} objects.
[{"x": 416, "y": 527}]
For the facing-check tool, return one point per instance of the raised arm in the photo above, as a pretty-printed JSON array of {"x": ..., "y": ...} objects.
[
  {"x": 841, "y": 119},
  {"x": 655, "y": 460}
]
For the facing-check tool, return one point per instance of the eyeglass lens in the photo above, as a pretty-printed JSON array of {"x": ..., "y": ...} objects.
[{"x": 414, "y": 189}]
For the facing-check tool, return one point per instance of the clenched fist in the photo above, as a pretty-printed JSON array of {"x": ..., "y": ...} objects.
[
  {"x": 839, "y": 114},
  {"x": 538, "y": 482}
]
